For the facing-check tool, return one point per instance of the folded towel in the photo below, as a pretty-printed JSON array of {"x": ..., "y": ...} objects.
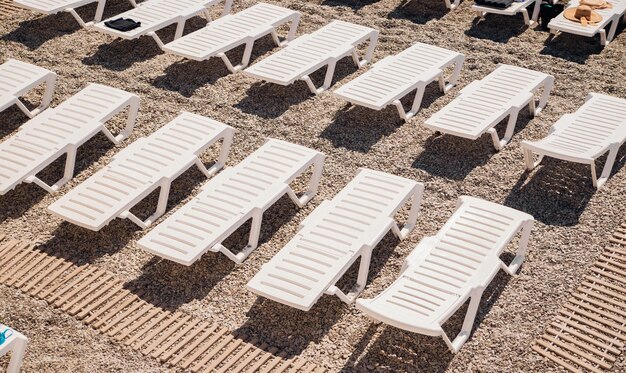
[{"x": 122, "y": 24}]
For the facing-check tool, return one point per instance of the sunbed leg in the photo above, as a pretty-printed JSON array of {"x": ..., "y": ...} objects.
[
  {"x": 45, "y": 100},
  {"x": 295, "y": 22},
  {"x": 361, "y": 281},
  {"x": 416, "y": 202},
  {"x": 608, "y": 166},
  {"x": 468, "y": 323},
  {"x": 603, "y": 37},
  {"x": 247, "y": 54},
  {"x": 156, "y": 38},
  {"x": 77, "y": 18},
  {"x": 99, "y": 11},
  {"x": 47, "y": 96},
  {"x": 612, "y": 30},
  {"x": 370, "y": 50},
  {"x": 594, "y": 177},
  {"x": 400, "y": 108},
  {"x": 543, "y": 101},
  {"x": 164, "y": 195},
  {"x": 535, "y": 17},
  {"x": 510, "y": 128},
  {"x": 318, "y": 167},
  {"x": 133, "y": 109},
  {"x": 526, "y": 17},
  {"x": 68, "y": 174},
  {"x": 454, "y": 78},
  {"x": 512, "y": 268},
  {"x": 253, "y": 241},
  {"x": 328, "y": 80},
  {"x": 364, "y": 267},
  {"x": 529, "y": 158},
  {"x": 221, "y": 160},
  {"x": 228, "y": 4},
  {"x": 180, "y": 28}
]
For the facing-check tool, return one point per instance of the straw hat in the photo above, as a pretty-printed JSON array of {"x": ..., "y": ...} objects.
[
  {"x": 596, "y": 4},
  {"x": 583, "y": 14}
]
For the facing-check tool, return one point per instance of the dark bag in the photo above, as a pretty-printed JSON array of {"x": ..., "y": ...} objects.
[
  {"x": 547, "y": 12},
  {"x": 122, "y": 24},
  {"x": 501, "y": 4}
]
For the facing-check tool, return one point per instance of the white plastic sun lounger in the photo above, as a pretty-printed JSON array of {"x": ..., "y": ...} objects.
[
  {"x": 485, "y": 103},
  {"x": 311, "y": 52},
  {"x": 443, "y": 271},
  {"x": 155, "y": 15},
  {"x": 57, "y": 6},
  {"x": 336, "y": 234},
  {"x": 511, "y": 10},
  {"x": 597, "y": 127},
  {"x": 18, "y": 78},
  {"x": 147, "y": 164},
  {"x": 61, "y": 130},
  {"x": 231, "y": 198},
  {"x": 396, "y": 76},
  {"x": 610, "y": 16},
  {"x": 15, "y": 343},
  {"x": 231, "y": 31}
]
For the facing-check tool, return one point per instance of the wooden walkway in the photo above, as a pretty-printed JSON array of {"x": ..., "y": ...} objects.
[
  {"x": 101, "y": 302},
  {"x": 589, "y": 332},
  {"x": 7, "y": 7}
]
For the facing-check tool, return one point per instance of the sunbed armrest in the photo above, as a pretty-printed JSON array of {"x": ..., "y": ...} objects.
[{"x": 419, "y": 252}]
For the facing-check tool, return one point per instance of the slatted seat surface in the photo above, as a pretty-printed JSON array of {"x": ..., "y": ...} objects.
[
  {"x": 486, "y": 102},
  {"x": 395, "y": 76},
  {"x": 17, "y": 78},
  {"x": 138, "y": 170},
  {"x": 46, "y": 137},
  {"x": 309, "y": 52},
  {"x": 227, "y": 201},
  {"x": 332, "y": 238},
  {"x": 155, "y": 15},
  {"x": 230, "y": 31},
  {"x": 587, "y": 133},
  {"x": 444, "y": 270},
  {"x": 52, "y": 6},
  {"x": 561, "y": 23}
]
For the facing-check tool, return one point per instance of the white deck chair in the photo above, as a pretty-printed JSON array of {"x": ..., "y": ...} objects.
[
  {"x": 511, "y": 10},
  {"x": 155, "y": 15},
  {"x": 336, "y": 234},
  {"x": 18, "y": 78},
  {"x": 147, "y": 164},
  {"x": 443, "y": 271},
  {"x": 610, "y": 16},
  {"x": 15, "y": 344},
  {"x": 70, "y": 6},
  {"x": 231, "y": 31},
  {"x": 230, "y": 199},
  {"x": 61, "y": 130},
  {"x": 311, "y": 52},
  {"x": 597, "y": 127},
  {"x": 396, "y": 76},
  {"x": 484, "y": 103}
]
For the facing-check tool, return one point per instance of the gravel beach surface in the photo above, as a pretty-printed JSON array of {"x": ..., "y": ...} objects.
[{"x": 573, "y": 220}]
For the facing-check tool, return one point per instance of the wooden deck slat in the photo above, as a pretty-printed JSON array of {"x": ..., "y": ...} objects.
[
  {"x": 590, "y": 330},
  {"x": 100, "y": 300}
]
